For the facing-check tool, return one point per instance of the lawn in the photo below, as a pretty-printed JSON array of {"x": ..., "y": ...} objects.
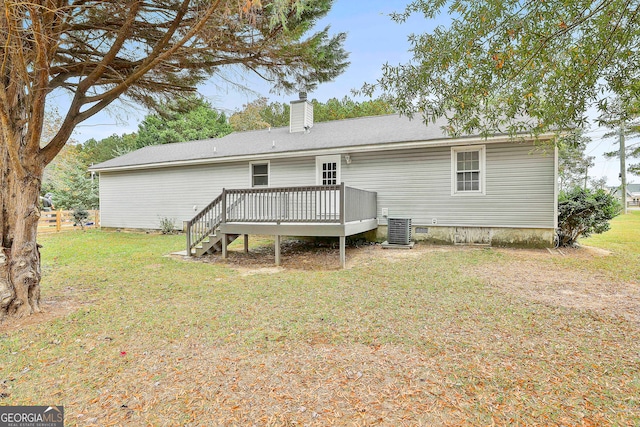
[{"x": 432, "y": 336}]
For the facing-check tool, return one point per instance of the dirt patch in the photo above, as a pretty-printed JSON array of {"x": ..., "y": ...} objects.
[
  {"x": 294, "y": 254},
  {"x": 399, "y": 255},
  {"x": 529, "y": 274},
  {"x": 263, "y": 270},
  {"x": 306, "y": 255},
  {"x": 51, "y": 309}
]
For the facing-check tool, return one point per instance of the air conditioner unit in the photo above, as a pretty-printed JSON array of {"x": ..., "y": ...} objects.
[{"x": 399, "y": 231}]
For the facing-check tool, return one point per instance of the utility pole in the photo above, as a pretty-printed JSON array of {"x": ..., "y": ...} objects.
[
  {"x": 586, "y": 174},
  {"x": 623, "y": 170}
]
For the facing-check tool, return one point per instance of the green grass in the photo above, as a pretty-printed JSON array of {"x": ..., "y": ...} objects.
[
  {"x": 623, "y": 241},
  {"x": 416, "y": 340}
]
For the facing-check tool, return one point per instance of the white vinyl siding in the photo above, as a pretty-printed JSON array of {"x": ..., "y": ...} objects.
[
  {"x": 139, "y": 199},
  {"x": 296, "y": 171},
  {"x": 300, "y": 117},
  {"x": 416, "y": 183},
  {"x": 413, "y": 183}
]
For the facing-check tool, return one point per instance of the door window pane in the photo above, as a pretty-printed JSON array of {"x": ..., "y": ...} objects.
[{"x": 329, "y": 173}]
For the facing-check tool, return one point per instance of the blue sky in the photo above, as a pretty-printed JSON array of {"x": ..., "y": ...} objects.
[{"x": 372, "y": 40}]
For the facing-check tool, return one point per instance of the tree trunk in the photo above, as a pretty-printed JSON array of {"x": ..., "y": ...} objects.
[{"x": 19, "y": 251}]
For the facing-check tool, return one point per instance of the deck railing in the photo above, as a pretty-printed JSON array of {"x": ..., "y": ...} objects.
[
  {"x": 204, "y": 223},
  {"x": 335, "y": 204},
  {"x": 361, "y": 204},
  {"x": 320, "y": 203}
]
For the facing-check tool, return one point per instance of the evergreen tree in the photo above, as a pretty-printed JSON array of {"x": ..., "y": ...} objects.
[
  {"x": 573, "y": 163},
  {"x": 69, "y": 181},
  {"x": 260, "y": 115},
  {"x": 183, "y": 119},
  {"x": 93, "y": 152}
]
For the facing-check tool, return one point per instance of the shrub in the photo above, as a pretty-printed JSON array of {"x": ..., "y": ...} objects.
[
  {"x": 167, "y": 225},
  {"x": 80, "y": 216},
  {"x": 584, "y": 212}
]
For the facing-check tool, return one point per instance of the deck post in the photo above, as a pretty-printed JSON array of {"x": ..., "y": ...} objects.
[
  {"x": 343, "y": 254},
  {"x": 188, "y": 232},
  {"x": 277, "y": 249},
  {"x": 246, "y": 243},
  {"x": 224, "y": 246},
  {"x": 223, "y": 215}
]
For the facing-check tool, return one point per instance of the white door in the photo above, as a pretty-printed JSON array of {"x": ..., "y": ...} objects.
[{"x": 328, "y": 173}]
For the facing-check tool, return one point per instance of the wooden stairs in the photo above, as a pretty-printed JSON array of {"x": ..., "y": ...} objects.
[
  {"x": 212, "y": 244},
  {"x": 203, "y": 236}
]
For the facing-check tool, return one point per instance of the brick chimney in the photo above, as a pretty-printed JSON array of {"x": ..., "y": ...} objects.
[{"x": 301, "y": 115}]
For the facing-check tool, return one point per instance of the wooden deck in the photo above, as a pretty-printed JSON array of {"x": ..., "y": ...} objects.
[{"x": 322, "y": 211}]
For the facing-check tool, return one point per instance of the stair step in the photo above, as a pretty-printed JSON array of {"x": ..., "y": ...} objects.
[{"x": 213, "y": 244}]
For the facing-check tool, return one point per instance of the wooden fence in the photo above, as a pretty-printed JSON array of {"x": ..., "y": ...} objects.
[{"x": 55, "y": 221}]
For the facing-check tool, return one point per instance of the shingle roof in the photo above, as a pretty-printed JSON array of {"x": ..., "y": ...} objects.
[
  {"x": 633, "y": 188},
  {"x": 327, "y": 135}
]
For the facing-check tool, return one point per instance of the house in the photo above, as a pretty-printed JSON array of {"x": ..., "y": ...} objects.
[
  {"x": 633, "y": 194},
  {"x": 338, "y": 179}
]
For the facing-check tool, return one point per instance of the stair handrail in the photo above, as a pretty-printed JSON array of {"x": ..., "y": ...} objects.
[
  {"x": 197, "y": 235},
  {"x": 194, "y": 238}
]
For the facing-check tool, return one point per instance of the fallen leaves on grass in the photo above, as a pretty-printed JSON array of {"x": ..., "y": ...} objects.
[
  {"x": 532, "y": 274},
  {"x": 191, "y": 383}
]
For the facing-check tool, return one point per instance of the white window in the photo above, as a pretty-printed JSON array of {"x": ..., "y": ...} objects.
[
  {"x": 259, "y": 174},
  {"x": 468, "y": 170},
  {"x": 328, "y": 170}
]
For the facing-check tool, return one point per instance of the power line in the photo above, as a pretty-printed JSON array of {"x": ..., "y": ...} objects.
[
  {"x": 591, "y": 132},
  {"x": 594, "y": 148}
]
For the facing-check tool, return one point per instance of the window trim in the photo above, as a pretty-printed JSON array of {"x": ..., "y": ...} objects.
[
  {"x": 333, "y": 158},
  {"x": 260, "y": 162},
  {"x": 481, "y": 149}
]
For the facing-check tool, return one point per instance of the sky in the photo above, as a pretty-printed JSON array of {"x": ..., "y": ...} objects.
[{"x": 373, "y": 39}]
